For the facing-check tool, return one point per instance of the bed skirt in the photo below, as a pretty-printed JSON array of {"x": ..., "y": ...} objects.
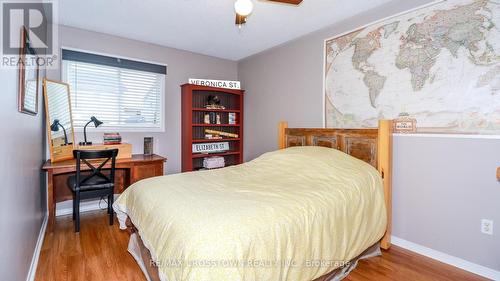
[{"x": 142, "y": 255}]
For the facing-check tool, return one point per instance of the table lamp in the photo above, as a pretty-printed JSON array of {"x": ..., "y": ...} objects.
[{"x": 96, "y": 122}]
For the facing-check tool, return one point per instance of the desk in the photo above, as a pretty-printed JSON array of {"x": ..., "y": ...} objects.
[{"x": 128, "y": 171}]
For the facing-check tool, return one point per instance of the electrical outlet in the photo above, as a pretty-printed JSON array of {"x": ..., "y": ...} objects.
[{"x": 487, "y": 226}]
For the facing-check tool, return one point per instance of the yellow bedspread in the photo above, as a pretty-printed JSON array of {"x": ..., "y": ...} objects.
[{"x": 293, "y": 214}]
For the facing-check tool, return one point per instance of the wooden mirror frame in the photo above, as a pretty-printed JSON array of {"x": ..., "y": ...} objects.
[
  {"x": 23, "y": 51},
  {"x": 63, "y": 152}
]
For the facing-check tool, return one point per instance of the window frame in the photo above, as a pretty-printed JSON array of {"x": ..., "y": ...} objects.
[{"x": 125, "y": 129}]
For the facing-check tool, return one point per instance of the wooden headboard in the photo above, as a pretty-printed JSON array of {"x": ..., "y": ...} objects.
[{"x": 373, "y": 146}]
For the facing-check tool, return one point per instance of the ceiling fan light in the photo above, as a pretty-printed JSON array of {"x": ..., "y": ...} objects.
[{"x": 243, "y": 7}]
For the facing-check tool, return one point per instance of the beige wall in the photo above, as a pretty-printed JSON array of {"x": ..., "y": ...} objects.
[
  {"x": 22, "y": 183},
  {"x": 181, "y": 66},
  {"x": 443, "y": 186}
]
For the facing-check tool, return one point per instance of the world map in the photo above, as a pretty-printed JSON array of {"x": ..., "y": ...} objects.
[{"x": 440, "y": 64}]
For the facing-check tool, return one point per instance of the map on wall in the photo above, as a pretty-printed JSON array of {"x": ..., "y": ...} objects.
[{"x": 440, "y": 64}]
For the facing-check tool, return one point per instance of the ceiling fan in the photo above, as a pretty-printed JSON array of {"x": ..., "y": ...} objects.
[{"x": 244, "y": 8}]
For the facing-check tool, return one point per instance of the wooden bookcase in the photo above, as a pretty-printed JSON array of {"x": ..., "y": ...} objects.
[{"x": 194, "y": 100}]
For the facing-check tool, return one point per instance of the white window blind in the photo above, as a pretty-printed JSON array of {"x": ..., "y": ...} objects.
[{"x": 121, "y": 98}]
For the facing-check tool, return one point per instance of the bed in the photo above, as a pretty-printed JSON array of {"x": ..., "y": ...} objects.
[{"x": 308, "y": 211}]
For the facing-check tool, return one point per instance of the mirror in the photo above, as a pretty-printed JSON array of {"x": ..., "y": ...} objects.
[
  {"x": 28, "y": 77},
  {"x": 61, "y": 137}
]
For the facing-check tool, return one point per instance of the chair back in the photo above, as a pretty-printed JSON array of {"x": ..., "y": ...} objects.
[{"x": 96, "y": 168}]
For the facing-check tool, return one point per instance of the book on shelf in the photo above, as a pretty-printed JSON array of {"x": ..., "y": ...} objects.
[
  {"x": 214, "y": 106},
  {"x": 221, "y": 133},
  {"x": 212, "y": 137},
  {"x": 112, "y": 138},
  {"x": 112, "y": 142},
  {"x": 232, "y": 118}
]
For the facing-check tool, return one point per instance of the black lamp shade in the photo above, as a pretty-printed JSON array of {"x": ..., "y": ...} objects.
[
  {"x": 55, "y": 125},
  {"x": 96, "y": 122}
]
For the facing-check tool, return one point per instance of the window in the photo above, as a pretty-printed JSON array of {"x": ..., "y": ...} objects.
[{"x": 123, "y": 94}]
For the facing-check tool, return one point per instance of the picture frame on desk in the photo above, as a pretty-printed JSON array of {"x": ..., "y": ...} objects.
[{"x": 148, "y": 145}]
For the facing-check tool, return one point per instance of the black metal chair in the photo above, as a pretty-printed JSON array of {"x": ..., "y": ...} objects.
[{"x": 97, "y": 182}]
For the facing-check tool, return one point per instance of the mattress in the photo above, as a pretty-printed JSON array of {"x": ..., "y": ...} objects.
[{"x": 292, "y": 214}]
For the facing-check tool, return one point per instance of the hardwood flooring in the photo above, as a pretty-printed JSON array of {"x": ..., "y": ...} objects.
[{"x": 99, "y": 252}]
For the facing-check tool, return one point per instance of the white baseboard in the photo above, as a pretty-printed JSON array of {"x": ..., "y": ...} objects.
[
  {"x": 448, "y": 259},
  {"x": 38, "y": 248},
  {"x": 66, "y": 207}
]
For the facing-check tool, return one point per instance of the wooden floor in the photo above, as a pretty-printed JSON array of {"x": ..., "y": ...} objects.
[{"x": 99, "y": 252}]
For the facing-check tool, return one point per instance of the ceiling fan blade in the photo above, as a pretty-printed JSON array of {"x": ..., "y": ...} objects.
[
  {"x": 240, "y": 20},
  {"x": 293, "y": 2}
]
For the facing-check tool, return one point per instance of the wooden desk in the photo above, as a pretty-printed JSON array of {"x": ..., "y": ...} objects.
[{"x": 128, "y": 171}]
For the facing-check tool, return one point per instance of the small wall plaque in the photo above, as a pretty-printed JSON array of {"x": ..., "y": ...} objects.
[
  {"x": 405, "y": 124},
  {"x": 210, "y": 147},
  {"x": 227, "y": 84}
]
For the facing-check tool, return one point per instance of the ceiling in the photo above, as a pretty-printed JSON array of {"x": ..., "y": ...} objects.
[{"x": 207, "y": 26}]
